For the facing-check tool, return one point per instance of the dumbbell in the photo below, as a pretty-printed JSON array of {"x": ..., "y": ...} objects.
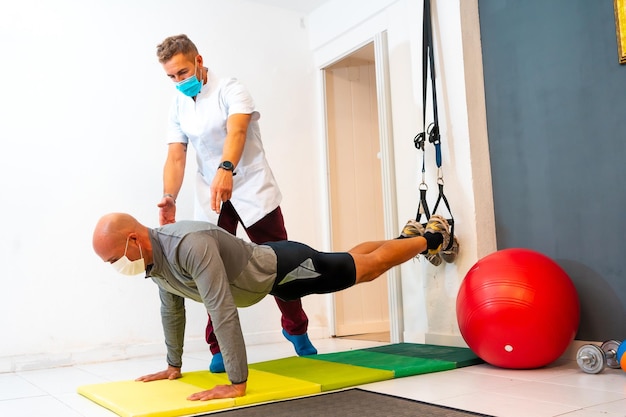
[{"x": 592, "y": 359}]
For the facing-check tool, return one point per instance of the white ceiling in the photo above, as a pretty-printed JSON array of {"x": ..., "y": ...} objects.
[{"x": 302, "y": 6}]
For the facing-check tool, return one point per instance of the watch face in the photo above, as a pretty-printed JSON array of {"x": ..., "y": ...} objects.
[{"x": 227, "y": 165}]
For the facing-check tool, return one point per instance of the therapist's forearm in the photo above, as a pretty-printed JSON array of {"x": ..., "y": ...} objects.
[
  {"x": 236, "y": 131},
  {"x": 233, "y": 148}
]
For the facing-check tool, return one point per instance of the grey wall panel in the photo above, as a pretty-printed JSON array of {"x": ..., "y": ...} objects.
[{"x": 556, "y": 115}]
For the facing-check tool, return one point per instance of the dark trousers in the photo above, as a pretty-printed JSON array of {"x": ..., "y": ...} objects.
[{"x": 270, "y": 228}]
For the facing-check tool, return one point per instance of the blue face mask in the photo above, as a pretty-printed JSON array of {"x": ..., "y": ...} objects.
[{"x": 191, "y": 86}]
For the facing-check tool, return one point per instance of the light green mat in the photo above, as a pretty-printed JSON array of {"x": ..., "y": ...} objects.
[
  {"x": 403, "y": 359},
  {"x": 329, "y": 375}
]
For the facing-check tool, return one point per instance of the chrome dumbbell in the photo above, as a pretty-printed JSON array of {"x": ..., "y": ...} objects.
[{"x": 592, "y": 359}]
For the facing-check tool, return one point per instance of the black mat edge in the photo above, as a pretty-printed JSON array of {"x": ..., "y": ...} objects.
[{"x": 218, "y": 412}]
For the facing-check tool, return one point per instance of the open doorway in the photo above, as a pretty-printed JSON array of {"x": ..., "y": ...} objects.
[{"x": 357, "y": 211}]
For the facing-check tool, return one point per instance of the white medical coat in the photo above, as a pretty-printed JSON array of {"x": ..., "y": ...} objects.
[{"x": 203, "y": 123}]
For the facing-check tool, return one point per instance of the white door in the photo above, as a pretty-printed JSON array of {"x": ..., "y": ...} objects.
[{"x": 356, "y": 197}]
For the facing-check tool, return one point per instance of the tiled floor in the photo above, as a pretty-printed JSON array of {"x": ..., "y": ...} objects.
[{"x": 557, "y": 390}]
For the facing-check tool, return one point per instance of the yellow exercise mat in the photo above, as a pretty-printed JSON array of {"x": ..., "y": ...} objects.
[
  {"x": 168, "y": 398},
  {"x": 278, "y": 379}
]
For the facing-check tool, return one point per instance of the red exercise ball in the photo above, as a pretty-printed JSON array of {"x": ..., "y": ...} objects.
[{"x": 517, "y": 309}]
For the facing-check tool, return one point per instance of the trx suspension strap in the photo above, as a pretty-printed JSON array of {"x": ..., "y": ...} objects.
[
  {"x": 420, "y": 139},
  {"x": 432, "y": 131}
]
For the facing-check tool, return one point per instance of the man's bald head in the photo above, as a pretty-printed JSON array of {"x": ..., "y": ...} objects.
[{"x": 111, "y": 234}]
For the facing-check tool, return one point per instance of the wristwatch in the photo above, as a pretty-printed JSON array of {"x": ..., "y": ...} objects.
[{"x": 228, "y": 166}]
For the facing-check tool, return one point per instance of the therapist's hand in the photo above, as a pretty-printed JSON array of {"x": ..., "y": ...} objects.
[
  {"x": 221, "y": 189},
  {"x": 167, "y": 210}
]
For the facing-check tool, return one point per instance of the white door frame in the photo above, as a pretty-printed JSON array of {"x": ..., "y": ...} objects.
[{"x": 388, "y": 178}]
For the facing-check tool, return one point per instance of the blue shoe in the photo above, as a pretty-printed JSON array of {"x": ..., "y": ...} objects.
[
  {"x": 217, "y": 364},
  {"x": 302, "y": 344}
]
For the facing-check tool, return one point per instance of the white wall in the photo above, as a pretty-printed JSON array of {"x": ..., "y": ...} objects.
[
  {"x": 83, "y": 109},
  {"x": 82, "y": 123},
  {"x": 340, "y": 26}
]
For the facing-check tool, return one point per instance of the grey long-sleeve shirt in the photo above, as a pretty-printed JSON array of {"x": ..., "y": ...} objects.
[{"x": 203, "y": 262}]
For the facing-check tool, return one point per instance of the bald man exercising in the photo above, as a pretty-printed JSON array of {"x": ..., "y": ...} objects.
[{"x": 200, "y": 261}]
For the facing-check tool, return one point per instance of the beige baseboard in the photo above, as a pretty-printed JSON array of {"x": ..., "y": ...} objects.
[{"x": 572, "y": 349}]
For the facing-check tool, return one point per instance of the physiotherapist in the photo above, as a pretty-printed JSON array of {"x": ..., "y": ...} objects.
[{"x": 234, "y": 182}]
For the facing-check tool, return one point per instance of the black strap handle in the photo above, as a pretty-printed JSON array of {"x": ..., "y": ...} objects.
[
  {"x": 422, "y": 208},
  {"x": 441, "y": 197}
]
